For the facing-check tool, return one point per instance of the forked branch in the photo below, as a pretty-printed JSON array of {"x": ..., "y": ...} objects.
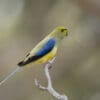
[{"x": 50, "y": 88}]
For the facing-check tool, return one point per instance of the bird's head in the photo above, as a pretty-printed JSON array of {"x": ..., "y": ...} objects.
[{"x": 60, "y": 32}]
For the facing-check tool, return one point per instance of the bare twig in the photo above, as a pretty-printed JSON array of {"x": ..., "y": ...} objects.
[{"x": 50, "y": 88}]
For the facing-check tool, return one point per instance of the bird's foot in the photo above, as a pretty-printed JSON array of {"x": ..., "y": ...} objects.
[{"x": 50, "y": 62}]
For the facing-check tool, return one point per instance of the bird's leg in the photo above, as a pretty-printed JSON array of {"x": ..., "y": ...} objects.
[{"x": 50, "y": 62}]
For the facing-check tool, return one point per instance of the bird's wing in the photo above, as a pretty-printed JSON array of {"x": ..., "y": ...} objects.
[{"x": 45, "y": 49}]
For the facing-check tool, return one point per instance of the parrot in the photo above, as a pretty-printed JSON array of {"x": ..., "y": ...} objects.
[{"x": 44, "y": 51}]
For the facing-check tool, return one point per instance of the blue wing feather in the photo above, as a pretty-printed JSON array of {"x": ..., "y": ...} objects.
[
  {"x": 43, "y": 51},
  {"x": 46, "y": 48}
]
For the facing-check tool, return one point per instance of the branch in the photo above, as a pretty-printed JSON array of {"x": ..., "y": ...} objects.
[{"x": 50, "y": 88}]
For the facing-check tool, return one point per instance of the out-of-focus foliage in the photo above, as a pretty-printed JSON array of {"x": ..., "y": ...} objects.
[{"x": 76, "y": 72}]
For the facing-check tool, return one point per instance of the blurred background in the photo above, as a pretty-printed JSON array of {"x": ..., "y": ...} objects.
[{"x": 76, "y": 71}]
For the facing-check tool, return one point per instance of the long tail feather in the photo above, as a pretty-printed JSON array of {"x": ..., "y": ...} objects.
[{"x": 10, "y": 75}]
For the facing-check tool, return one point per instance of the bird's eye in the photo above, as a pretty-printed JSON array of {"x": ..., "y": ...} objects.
[{"x": 62, "y": 30}]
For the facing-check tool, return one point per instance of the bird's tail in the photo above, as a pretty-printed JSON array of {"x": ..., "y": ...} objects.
[{"x": 10, "y": 75}]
